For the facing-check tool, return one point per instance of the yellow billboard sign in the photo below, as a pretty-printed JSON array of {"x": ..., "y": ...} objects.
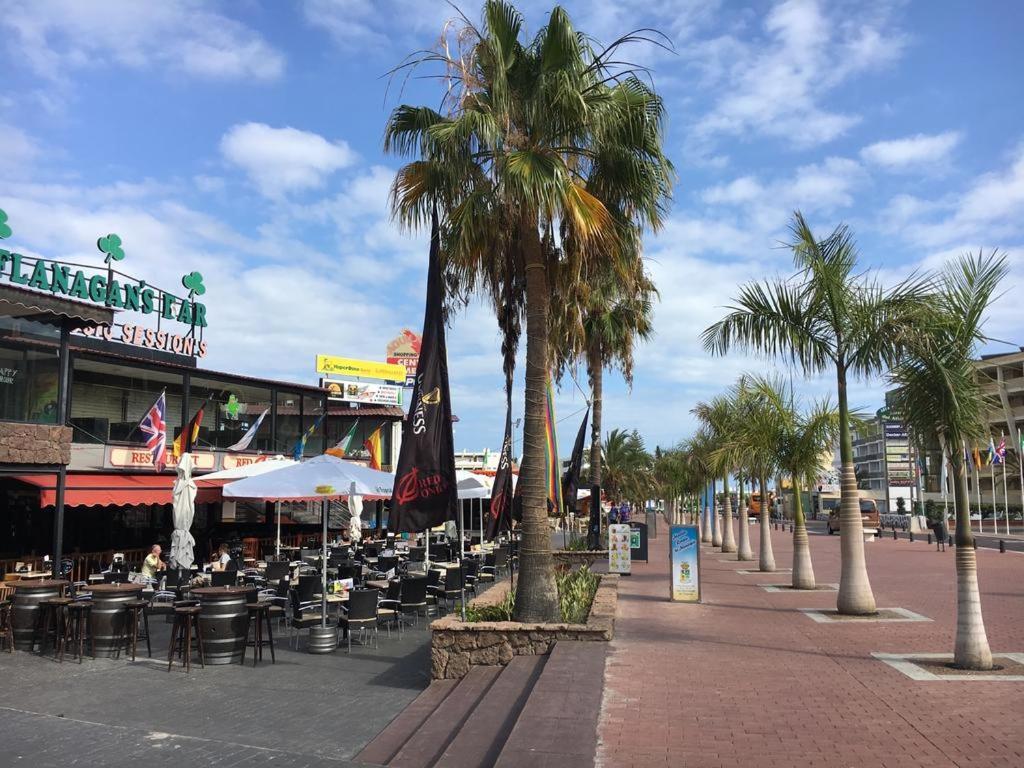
[{"x": 367, "y": 369}]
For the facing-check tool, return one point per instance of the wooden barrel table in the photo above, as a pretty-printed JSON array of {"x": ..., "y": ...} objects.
[
  {"x": 108, "y": 615},
  {"x": 25, "y": 610},
  {"x": 224, "y": 621}
]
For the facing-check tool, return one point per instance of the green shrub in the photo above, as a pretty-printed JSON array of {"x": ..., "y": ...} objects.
[
  {"x": 576, "y": 590},
  {"x": 577, "y": 544},
  {"x": 498, "y": 612}
]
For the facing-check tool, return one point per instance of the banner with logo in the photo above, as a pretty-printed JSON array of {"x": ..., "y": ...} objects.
[
  {"x": 684, "y": 559},
  {"x": 362, "y": 392},
  {"x": 619, "y": 560},
  {"x": 425, "y": 492},
  {"x": 500, "y": 517}
]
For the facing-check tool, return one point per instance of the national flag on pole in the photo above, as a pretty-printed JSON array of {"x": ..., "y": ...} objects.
[
  {"x": 551, "y": 465},
  {"x": 500, "y": 517},
  {"x": 991, "y": 458},
  {"x": 186, "y": 438},
  {"x": 372, "y": 446},
  {"x": 300, "y": 445},
  {"x": 425, "y": 491},
  {"x": 571, "y": 478},
  {"x": 945, "y": 474},
  {"x": 345, "y": 444},
  {"x": 154, "y": 427},
  {"x": 250, "y": 434},
  {"x": 977, "y": 456},
  {"x": 1001, "y": 450}
]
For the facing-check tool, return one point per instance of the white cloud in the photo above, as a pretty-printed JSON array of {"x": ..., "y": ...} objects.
[
  {"x": 927, "y": 152},
  {"x": 20, "y": 150},
  {"x": 281, "y": 160},
  {"x": 54, "y": 37},
  {"x": 775, "y": 84},
  {"x": 367, "y": 26}
]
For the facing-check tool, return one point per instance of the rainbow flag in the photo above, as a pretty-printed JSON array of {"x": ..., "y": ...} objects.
[{"x": 552, "y": 470}]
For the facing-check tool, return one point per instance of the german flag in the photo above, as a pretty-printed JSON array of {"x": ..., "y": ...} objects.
[
  {"x": 186, "y": 439},
  {"x": 372, "y": 445}
]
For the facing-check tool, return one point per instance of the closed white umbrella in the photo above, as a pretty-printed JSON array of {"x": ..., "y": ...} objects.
[
  {"x": 184, "y": 509},
  {"x": 355, "y": 506}
]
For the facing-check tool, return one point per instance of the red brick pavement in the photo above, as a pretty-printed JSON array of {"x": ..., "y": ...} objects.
[{"x": 747, "y": 680}]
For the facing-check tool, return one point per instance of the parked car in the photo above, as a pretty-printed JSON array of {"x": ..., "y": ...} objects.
[{"x": 868, "y": 515}]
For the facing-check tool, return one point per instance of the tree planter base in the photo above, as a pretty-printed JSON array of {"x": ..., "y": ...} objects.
[{"x": 457, "y": 645}]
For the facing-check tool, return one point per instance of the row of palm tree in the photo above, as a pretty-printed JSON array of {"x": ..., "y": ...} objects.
[
  {"x": 922, "y": 333},
  {"x": 544, "y": 166}
]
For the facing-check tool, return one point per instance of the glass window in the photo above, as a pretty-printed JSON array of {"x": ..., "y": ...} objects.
[
  {"x": 231, "y": 408},
  {"x": 108, "y": 400},
  {"x": 23, "y": 328},
  {"x": 28, "y": 384},
  {"x": 289, "y": 424}
]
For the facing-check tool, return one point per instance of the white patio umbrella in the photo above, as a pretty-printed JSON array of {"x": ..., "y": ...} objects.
[
  {"x": 325, "y": 477},
  {"x": 184, "y": 509}
]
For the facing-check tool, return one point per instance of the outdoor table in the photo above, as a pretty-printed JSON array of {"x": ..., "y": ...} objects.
[
  {"x": 224, "y": 620},
  {"x": 34, "y": 575},
  {"x": 381, "y": 584},
  {"x": 108, "y": 615},
  {"x": 94, "y": 578},
  {"x": 25, "y": 610}
]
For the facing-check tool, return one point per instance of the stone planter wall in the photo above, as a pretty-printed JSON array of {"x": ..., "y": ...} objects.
[
  {"x": 583, "y": 557},
  {"x": 456, "y": 645}
]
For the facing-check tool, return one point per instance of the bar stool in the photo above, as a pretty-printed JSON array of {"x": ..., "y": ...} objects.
[
  {"x": 6, "y": 631},
  {"x": 136, "y": 609},
  {"x": 51, "y": 622},
  {"x": 185, "y": 619},
  {"x": 261, "y": 613},
  {"x": 76, "y": 626}
]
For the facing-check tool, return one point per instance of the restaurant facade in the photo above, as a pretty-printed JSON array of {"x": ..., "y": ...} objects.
[{"x": 81, "y": 363}]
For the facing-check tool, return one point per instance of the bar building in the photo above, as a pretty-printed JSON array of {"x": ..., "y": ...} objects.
[{"x": 76, "y": 378}]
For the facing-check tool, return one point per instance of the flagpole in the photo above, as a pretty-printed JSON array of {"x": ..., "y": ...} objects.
[
  {"x": 995, "y": 498},
  {"x": 1020, "y": 467},
  {"x": 277, "y": 547},
  {"x": 1006, "y": 495},
  {"x": 977, "y": 491}
]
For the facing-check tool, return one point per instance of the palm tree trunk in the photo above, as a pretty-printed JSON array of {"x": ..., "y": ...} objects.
[
  {"x": 855, "y": 595},
  {"x": 803, "y": 570},
  {"x": 970, "y": 650},
  {"x": 767, "y": 561},
  {"x": 705, "y": 531},
  {"x": 728, "y": 540},
  {"x": 716, "y": 519},
  {"x": 595, "y": 371},
  {"x": 536, "y": 594},
  {"x": 744, "y": 552}
]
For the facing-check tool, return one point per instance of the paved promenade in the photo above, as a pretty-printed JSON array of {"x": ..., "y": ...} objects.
[{"x": 746, "y": 679}]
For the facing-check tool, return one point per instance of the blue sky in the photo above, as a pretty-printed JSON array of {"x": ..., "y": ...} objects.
[{"x": 244, "y": 139}]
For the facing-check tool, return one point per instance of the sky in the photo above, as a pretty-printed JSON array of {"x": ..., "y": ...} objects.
[{"x": 244, "y": 139}]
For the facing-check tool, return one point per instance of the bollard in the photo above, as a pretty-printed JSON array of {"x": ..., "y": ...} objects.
[
  {"x": 911, "y": 535},
  {"x": 975, "y": 543},
  {"x": 790, "y": 527},
  {"x": 929, "y": 538},
  {"x": 1002, "y": 545},
  {"x": 894, "y": 536}
]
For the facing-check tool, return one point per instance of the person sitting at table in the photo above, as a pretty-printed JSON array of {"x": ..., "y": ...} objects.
[
  {"x": 222, "y": 558},
  {"x": 346, "y": 538},
  {"x": 152, "y": 564}
]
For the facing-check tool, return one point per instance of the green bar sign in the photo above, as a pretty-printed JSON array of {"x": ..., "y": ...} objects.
[{"x": 59, "y": 279}]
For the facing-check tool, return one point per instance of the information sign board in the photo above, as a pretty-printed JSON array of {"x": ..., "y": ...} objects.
[
  {"x": 684, "y": 558},
  {"x": 619, "y": 537}
]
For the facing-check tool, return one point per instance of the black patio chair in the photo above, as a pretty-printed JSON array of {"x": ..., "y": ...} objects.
[
  {"x": 309, "y": 585},
  {"x": 304, "y": 615},
  {"x": 276, "y": 571},
  {"x": 488, "y": 571},
  {"x": 360, "y": 613},
  {"x": 470, "y": 569},
  {"x": 223, "y": 578},
  {"x": 451, "y": 590},
  {"x": 413, "y": 598}
]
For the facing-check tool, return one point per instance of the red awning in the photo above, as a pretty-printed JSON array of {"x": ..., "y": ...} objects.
[{"x": 103, "y": 490}]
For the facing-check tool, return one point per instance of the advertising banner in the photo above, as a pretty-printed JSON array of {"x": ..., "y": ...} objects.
[
  {"x": 619, "y": 538},
  {"x": 684, "y": 555},
  {"x": 361, "y": 392},
  {"x": 404, "y": 350},
  {"x": 363, "y": 369}
]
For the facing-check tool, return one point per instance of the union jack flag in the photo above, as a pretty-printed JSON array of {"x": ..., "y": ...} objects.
[{"x": 154, "y": 427}]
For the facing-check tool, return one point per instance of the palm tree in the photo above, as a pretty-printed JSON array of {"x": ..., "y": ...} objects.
[
  {"x": 800, "y": 439},
  {"x": 718, "y": 417},
  {"x": 828, "y": 316},
  {"x": 626, "y": 465},
  {"x": 938, "y": 393},
  {"x": 698, "y": 457},
  {"x": 506, "y": 167}
]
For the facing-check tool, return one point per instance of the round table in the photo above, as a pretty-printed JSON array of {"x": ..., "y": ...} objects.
[
  {"x": 108, "y": 615},
  {"x": 224, "y": 621},
  {"x": 25, "y": 610}
]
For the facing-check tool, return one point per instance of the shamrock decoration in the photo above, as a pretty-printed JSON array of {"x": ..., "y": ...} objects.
[
  {"x": 194, "y": 282},
  {"x": 5, "y": 230},
  {"x": 111, "y": 245},
  {"x": 232, "y": 407}
]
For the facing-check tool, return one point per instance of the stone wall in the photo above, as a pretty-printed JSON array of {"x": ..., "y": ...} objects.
[
  {"x": 34, "y": 444},
  {"x": 456, "y": 645},
  {"x": 575, "y": 559}
]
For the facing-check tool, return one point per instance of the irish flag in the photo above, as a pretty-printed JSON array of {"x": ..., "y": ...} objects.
[{"x": 345, "y": 444}]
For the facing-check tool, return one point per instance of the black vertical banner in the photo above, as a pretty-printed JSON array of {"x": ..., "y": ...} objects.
[
  {"x": 500, "y": 518},
  {"x": 571, "y": 479},
  {"x": 425, "y": 492}
]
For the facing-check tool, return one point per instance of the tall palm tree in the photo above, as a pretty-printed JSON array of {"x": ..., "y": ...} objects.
[
  {"x": 938, "y": 393},
  {"x": 505, "y": 162},
  {"x": 698, "y": 457},
  {"x": 718, "y": 416},
  {"x": 828, "y": 316},
  {"x": 801, "y": 438},
  {"x": 626, "y": 464}
]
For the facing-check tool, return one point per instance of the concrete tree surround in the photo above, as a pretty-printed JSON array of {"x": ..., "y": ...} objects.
[{"x": 456, "y": 645}]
